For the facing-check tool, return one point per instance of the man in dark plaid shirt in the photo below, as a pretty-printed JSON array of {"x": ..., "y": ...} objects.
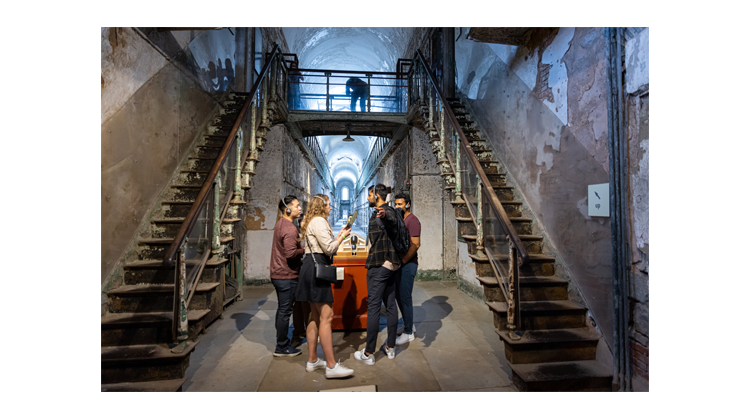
[{"x": 383, "y": 268}]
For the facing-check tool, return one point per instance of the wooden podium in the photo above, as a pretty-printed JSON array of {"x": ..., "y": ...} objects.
[{"x": 350, "y": 294}]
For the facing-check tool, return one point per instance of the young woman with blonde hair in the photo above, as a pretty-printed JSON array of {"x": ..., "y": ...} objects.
[{"x": 317, "y": 233}]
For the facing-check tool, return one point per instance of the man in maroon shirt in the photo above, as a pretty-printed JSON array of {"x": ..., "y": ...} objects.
[
  {"x": 405, "y": 284},
  {"x": 286, "y": 259}
]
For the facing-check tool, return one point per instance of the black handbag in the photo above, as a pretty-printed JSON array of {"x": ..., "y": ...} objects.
[{"x": 323, "y": 272}]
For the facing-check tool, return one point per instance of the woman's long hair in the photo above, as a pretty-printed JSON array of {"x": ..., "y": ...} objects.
[{"x": 316, "y": 208}]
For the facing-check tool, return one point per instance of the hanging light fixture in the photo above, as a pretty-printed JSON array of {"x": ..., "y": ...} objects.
[{"x": 348, "y": 137}]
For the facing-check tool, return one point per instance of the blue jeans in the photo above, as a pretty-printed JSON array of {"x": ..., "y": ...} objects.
[
  {"x": 285, "y": 289},
  {"x": 381, "y": 287},
  {"x": 361, "y": 98},
  {"x": 404, "y": 286}
]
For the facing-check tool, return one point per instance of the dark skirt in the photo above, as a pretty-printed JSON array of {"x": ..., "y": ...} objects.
[{"x": 309, "y": 289}]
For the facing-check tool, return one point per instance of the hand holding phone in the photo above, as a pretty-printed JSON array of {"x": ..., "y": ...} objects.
[
  {"x": 352, "y": 219},
  {"x": 344, "y": 232}
]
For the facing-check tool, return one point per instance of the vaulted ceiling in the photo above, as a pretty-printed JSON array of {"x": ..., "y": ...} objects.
[{"x": 374, "y": 49}]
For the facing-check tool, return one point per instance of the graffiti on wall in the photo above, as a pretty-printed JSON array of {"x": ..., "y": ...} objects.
[{"x": 213, "y": 55}]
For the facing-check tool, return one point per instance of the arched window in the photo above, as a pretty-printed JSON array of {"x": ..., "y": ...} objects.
[{"x": 345, "y": 194}]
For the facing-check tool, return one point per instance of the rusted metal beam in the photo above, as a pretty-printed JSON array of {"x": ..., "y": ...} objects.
[{"x": 505, "y": 36}]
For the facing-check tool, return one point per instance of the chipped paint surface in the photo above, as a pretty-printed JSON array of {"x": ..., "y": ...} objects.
[
  {"x": 587, "y": 86},
  {"x": 256, "y": 255},
  {"x": 466, "y": 268},
  {"x": 281, "y": 170},
  {"x": 558, "y": 73},
  {"x": 538, "y": 147},
  {"x": 128, "y": 62},
  {"x": 640, "y": 198},
  {"x": 636, "y": 61},
  {"x": 520, "y": 60},
  {"x": 256, "y": 220}
]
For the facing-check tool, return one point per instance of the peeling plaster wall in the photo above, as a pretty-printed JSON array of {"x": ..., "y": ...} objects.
[
  {"x": 636, "y": 62},
  {"x": 272, "y": 36},
  {"x": 427, "y": 202},
  {"x": 413, "y": 159},
  {"x": 549, "y": 130},
  {"x": 151, "y": 117},
  {"x": 420, "y": 39},
  {"x": 282, "y": 170},
  {"x": 127, "y": 63},
  {"x": 637, "y": 87}
]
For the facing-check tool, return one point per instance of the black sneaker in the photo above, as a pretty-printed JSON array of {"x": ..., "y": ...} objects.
[{"x": 286, "y": 352}]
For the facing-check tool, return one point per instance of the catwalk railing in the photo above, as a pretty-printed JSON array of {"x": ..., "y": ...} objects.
[
  {"x": 347, "y": 90},
  {"x": 497, "y": 240},
  {"x": 199, "y": 235}
]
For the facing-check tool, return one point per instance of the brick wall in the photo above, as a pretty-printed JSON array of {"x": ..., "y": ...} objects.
[{"x": 639, "y": 359}]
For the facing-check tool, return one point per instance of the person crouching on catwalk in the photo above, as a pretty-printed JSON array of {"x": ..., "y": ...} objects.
[
  {"x": 319, "y": 239},
  {"x": 383, "y": 268},
  {"x": 286, "y": 255}
]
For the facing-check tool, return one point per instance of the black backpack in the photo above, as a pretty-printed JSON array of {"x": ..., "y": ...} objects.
[{"x": 400, "y": 235}]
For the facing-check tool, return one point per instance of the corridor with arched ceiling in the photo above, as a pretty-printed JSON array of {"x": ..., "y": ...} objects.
[{"x": 501, "y": 138}]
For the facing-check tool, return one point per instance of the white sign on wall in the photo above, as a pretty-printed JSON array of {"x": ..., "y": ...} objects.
[{"x": 599, "y": 200}]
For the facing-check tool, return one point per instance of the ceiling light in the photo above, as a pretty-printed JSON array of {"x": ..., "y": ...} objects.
[{"x": 348, "y": 137}]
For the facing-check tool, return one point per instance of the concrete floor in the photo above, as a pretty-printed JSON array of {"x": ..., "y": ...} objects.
[{"x": 456, "y": 349}]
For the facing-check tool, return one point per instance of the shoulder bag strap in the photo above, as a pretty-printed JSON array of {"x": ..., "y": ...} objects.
[{"x": 307, "y": 244}]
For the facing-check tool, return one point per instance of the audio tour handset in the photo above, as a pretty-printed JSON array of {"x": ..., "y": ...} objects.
[{"x": 352, "y": 219}]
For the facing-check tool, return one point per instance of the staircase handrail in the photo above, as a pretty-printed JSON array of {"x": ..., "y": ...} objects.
[
  {"x": 495, "y": 203},
  {"x": 192, "y": 216}
]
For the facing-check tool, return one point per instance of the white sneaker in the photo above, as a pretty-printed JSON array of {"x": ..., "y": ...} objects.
[
  {"x": 391, "y": 353},
  {"x": 404, "y": 338},
  {"x": 368, "y": 360},
  {"x": 338, "y": 371},
  {"x": 311, "y": 366}
]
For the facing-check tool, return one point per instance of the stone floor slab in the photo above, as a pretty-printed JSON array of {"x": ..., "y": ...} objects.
[
  {"x": 454, "y": 351},
  {"x": 241, "y": 369},
  {"x": 458, "y": 370}
]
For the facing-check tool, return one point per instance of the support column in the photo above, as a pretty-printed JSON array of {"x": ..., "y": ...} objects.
[
  {"x": 182, "y": 324},
  {"x": 480, "y": 230},
  {"x": 238, "y": 167},
  {"x": 216, "y": 248},
  {"x": 449, "y": 62}
]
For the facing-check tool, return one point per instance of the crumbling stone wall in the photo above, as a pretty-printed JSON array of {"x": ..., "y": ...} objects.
[
  {"x": 543, "y": 108},
  {"x": 412, "y": 168},
  {"x": 152, "y": 112},
  {"x": 154, "y": 109},
  {"x": 637, "y": 103},
  {"x": 282, "y": 170}
]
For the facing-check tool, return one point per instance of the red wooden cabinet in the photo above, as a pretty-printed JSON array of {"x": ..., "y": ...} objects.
[{"x": 350, "y": 294}]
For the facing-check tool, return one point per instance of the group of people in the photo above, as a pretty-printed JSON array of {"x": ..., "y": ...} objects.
[{"x": 390, "y": 278}]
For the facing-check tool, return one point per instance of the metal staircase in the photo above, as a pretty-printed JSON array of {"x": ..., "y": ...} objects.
[{"x": 548, "y": 343}]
